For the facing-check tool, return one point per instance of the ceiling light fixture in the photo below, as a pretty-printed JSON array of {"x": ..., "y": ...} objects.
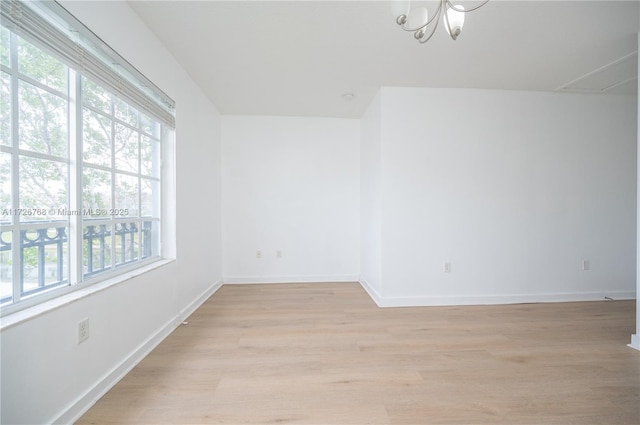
[{"x": 417, "y": 20}]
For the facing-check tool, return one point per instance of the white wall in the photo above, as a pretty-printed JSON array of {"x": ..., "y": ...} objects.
[
  {"x": 371, "y": 198},
  {"x": 290, "y": 185},
  {"x": 46, "y": 376},
  {"x": 515, "y": 189}
]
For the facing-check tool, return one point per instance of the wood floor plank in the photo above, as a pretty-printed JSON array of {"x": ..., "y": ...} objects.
[{"x": 325, "y": 354}]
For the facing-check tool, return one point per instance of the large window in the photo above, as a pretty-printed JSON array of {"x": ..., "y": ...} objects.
[
  {"x": 80, "y": 175},
  {"x": 120, "y": 182}
]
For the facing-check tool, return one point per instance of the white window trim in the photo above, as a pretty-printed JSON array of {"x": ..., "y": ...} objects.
[
  {"x": 75, "y": 293},
  {"x": 56, "y": 297}
]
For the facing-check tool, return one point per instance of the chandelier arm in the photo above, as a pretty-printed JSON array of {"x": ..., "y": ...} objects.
[
  {"x": 454, "y": 7},
  {"x": 433, "y": 31},
  {"x": 435, "y": 16}
]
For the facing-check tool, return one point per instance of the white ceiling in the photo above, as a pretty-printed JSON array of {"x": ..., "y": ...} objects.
[{"x": 299, "y": 57}]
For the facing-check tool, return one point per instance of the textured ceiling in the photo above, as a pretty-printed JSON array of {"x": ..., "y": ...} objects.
[{"x": 299, "y": 57}]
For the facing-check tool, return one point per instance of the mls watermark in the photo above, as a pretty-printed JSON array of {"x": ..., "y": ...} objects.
[{"x": 65, "y": 212}]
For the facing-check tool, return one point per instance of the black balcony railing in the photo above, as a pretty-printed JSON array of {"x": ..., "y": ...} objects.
[
  {"x": 37, "y": 246},
  {"x": 98, "y": 245},
  {"x": 41, "y": 239},
  {"x": 43, "y": 252}
]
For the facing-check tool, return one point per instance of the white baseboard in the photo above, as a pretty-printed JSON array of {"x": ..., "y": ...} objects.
[
  {"x": 237, "y": 280},
  {"x": 193, "y": 306},
  {"x": 424, "y": 301},
  {"x": 86, "y": 401},
  {"x": 635, "y": 341},
  {"x": 375, "y": 295}
]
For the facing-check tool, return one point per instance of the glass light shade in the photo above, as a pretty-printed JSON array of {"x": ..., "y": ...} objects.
[
  {"x": 417, "y": 17},
  {"x": 400, "y": 7},
  {"x": 456, "y": 20}
]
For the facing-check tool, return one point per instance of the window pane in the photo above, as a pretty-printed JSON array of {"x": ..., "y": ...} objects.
[
  {"x": 127, "y": 243},
  {"x": 41, "y": 66},
  {"x": 96, "y": 249},
  {"x": 126, "y": 113},
  {"x": 149, "y": 156},
  {"x": 150, "y": 198},
  {"x": 43, "y": 121},
  {"x": 96, "y": 96},
  {"x": 150, "y": 239},
  {"x": 96, "y": 143},
  {"x": 126, "y": 148},
  {"x": 6, "y": 271},
  {"x": 5, "y": 56},
  {"x": 5, "y": 109},
  {"x": 43, "y": 188},
  {"x": 5, "y": 188},
  {"x": 118, "y": 173},
  {"x": 44, "y": 259},
  {"x": 126, "y": 204},
  {"x": 96, "y": 192}
]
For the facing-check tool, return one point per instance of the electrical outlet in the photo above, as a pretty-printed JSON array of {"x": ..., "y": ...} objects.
[
  {"x": 586, "y": 265},
  {"x": 83, "y": 330},
  {"x": 258, "y": 253},
  {"x": 278, "y": 254},
  {"x": 447, "y": 267}
]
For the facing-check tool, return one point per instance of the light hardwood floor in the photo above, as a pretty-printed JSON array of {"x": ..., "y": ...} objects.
[{"x": 325, "y": 354}]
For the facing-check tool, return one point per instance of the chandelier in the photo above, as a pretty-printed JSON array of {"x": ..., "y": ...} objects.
[{"x": 417, "y": 20}]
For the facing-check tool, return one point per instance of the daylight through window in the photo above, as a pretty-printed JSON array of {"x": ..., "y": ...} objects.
[{"x": 80, "y": 180}]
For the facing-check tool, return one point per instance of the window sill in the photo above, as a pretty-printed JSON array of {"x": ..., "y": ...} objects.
[{"x": 47, "y": 306}]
